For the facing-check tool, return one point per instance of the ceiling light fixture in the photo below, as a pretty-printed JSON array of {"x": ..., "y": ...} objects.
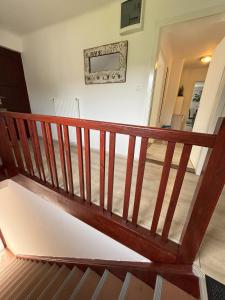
[{"x": 206, "y": 59}]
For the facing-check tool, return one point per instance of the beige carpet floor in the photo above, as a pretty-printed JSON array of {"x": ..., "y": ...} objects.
[
  {"x": 157, "y": 150},
  {"x": 212, "y": 253}
]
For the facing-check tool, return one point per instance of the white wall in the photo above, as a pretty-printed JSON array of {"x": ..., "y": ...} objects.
[
  {"x": 53, "y": 60},
  {"x": 212, "y": 98},
  {"x": 10, "y": 40},
  {"x": 33, "y": 226}
]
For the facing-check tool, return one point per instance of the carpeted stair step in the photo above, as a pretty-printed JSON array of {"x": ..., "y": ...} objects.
[
  {"x": 69, "y": 284},
  {"x": 109, "y": 287},
  {"x": 133, "y": 288},
  {"x": 24, "y": 279},
  {"x": 55, "y": 283},
  {"x": 86, "y": 287},
  {"x": 41, "y": 285},
  {"x": 30, "y": 274},
  {"x": 31, "y": 282},
  {"x": 5, "y": 273},
  {"x": 6, "y": 268},
  {"x": 15, "y": 279},
  {"x": 10, "y": 273}
]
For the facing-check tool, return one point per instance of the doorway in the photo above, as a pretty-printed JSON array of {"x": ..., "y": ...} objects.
[
  {"x": 187, "y": 49},
  {"x": 13, "y": 89}
]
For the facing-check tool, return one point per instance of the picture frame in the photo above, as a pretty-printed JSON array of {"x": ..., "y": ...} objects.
[{"x": 106, "y": 64}]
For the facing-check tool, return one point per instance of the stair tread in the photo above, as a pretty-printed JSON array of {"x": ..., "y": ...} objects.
[
  {"x": 10, "y": 273},
  {"x": 86, "y": 286},
  {"x": 5, "y": 268},
  {"x": 42, "y": 283},
  {"x": 171, "y": 291},
  {"x": 55, "y": 283},
  {"x": 8, "y": 270},
  {"x": 30, "y": 273},
  {"x": 109, "y": 287},
  {"x": 25, "y": 279},
  {"x": 134, "y": 288},
  {"x": 15, "y": 278},
  {"x": 69, "y": 284},
  {"x": 43, "y": 268}
]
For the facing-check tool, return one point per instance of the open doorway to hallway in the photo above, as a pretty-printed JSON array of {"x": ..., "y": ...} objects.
[{"x": 184, "y": 54}]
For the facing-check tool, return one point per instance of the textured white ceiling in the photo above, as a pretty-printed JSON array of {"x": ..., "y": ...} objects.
[
  {"x": 196, "y": 38},
  {"x": 23, "y": 16}
]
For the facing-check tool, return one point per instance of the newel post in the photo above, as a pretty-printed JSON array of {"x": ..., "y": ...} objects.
[
  {"x": 209, "y": 188},
  {"x": 6, "y": 152}
]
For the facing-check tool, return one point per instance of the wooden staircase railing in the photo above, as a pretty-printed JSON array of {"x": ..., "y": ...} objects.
[{"x": 18, "y": 130}]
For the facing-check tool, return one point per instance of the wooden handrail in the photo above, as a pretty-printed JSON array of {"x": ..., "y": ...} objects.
[
  {"x": 17, "y": 158},
  {"x": 177, "y": 136}
]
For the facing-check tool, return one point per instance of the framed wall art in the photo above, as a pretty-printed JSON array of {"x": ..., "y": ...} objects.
[{"x": 106, "y": 64}]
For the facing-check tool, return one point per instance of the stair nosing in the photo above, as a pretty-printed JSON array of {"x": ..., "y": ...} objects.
[
  {"x": 60, "y": 270},
  {"x": 158, "y": 288},
  {"x": 25, "y": 268},
  {"x": 42, "y": 268},
  {"x": 8, "y": 267},
  {"x": 65, "y": 282},
  {"x": 81, "y": 282},
  {"x": 39, "y": 282},
  {"x": 33, "y": 269},
  {"x": 100, "y": 285},
  {"x": 125, "y": 286},
  {"x": 10, "y": 273}
]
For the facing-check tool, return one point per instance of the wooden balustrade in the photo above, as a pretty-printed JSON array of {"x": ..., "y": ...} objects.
[{"x": 24, "y": 155}]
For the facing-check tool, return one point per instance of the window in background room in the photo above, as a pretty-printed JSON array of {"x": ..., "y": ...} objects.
[{"x": 195, "y": 102}]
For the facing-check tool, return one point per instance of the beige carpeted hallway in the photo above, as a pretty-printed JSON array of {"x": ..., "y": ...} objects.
[
  {"x": 157, "y": 150},
  {"x": 212, "y": 254}
]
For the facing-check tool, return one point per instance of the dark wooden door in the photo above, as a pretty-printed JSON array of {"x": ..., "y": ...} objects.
[{"x": 13, "y": 90}]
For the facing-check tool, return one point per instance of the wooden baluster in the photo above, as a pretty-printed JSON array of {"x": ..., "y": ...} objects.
[
  {"x": 43, "y": 129},
  {"x": 112, "y": 146},
  {"x": 87, "y": 163},
  {"x": 140, "y": 177},
  {"x": 62, "y": 156},
  {"x": 15, "y": 144},
  {"x": 38, "y": 149},
  {"x": 25, "y": 146},
  {"x": 80, "y": 161},
  {"x": 68, "y": 158},
  {"x": 130, "y": 161},
  {"x": 102, "y": 168},
  {"x": 52, "y": 154},
  {"x": 31, "y": 130},
  {"x": 176, "y": 190},
  {"x": 163, "y": 185}
]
